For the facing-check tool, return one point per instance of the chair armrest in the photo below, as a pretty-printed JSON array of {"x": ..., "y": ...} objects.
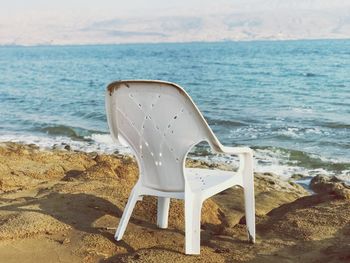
[
  {"x": 235, "y": 150},
  {"x": 245, "y": 155}
]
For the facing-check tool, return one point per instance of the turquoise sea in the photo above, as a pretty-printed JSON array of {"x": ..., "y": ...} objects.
[{"x": 289, "y": 100}]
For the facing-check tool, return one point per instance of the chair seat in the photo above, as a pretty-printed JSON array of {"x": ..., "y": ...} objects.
[{"x": 211, "y": 182}]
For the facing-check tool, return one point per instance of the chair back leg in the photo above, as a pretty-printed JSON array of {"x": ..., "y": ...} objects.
[
  {"x": 133, "y": 198},
  {"x": 163, "y": 212}
]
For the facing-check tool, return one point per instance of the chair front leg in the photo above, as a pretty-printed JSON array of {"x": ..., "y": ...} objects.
[
  {"x": 193, "y": 207},
  {"x": 163, "y": 212},
  {"x": 249, "y": 198}
]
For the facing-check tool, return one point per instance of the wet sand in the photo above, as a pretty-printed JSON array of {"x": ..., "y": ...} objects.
[{"x": 64, "y": 206}]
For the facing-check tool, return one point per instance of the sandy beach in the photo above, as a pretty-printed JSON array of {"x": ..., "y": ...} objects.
[{"x": 64, "y": 206}]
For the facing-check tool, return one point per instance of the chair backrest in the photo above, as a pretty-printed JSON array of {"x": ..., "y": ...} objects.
[{"x": 161, "y": 123}]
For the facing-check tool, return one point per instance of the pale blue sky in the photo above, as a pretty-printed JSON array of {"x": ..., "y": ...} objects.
[
  {"x": 16, "y": 5},
  {"x": 119, "y": 21},
  {"x": 124, "y": 5}
]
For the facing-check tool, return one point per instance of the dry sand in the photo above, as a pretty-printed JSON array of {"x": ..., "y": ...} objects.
[{"x": 63, "y": 206}]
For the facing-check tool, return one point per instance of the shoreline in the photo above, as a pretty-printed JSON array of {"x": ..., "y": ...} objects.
[
  {"x": 267, "y": 159},
  {"x": 65, "y": 205}
]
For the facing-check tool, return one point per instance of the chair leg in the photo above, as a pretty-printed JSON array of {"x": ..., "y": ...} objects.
[
  {"x": 126, "y": 215},
  {"x": 249, "y": 198},
  {"x": 163, "y": 212},
  {"x": 193, "y": 207}
]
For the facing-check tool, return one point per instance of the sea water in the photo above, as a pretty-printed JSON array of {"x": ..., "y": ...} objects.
[{"x": 288, "y": 100}]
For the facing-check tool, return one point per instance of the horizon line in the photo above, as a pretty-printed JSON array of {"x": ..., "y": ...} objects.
[{"x": 180, "y": 42}]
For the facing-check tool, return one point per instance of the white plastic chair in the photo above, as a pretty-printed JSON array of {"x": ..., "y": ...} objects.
[{"x": 161, "y": 123}]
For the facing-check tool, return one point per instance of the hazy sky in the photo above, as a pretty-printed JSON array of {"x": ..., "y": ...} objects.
[{"x": 33, "y": 22}]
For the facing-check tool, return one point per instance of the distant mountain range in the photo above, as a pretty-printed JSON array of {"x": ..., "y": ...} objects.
[{"x": 267, "y": 24}]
